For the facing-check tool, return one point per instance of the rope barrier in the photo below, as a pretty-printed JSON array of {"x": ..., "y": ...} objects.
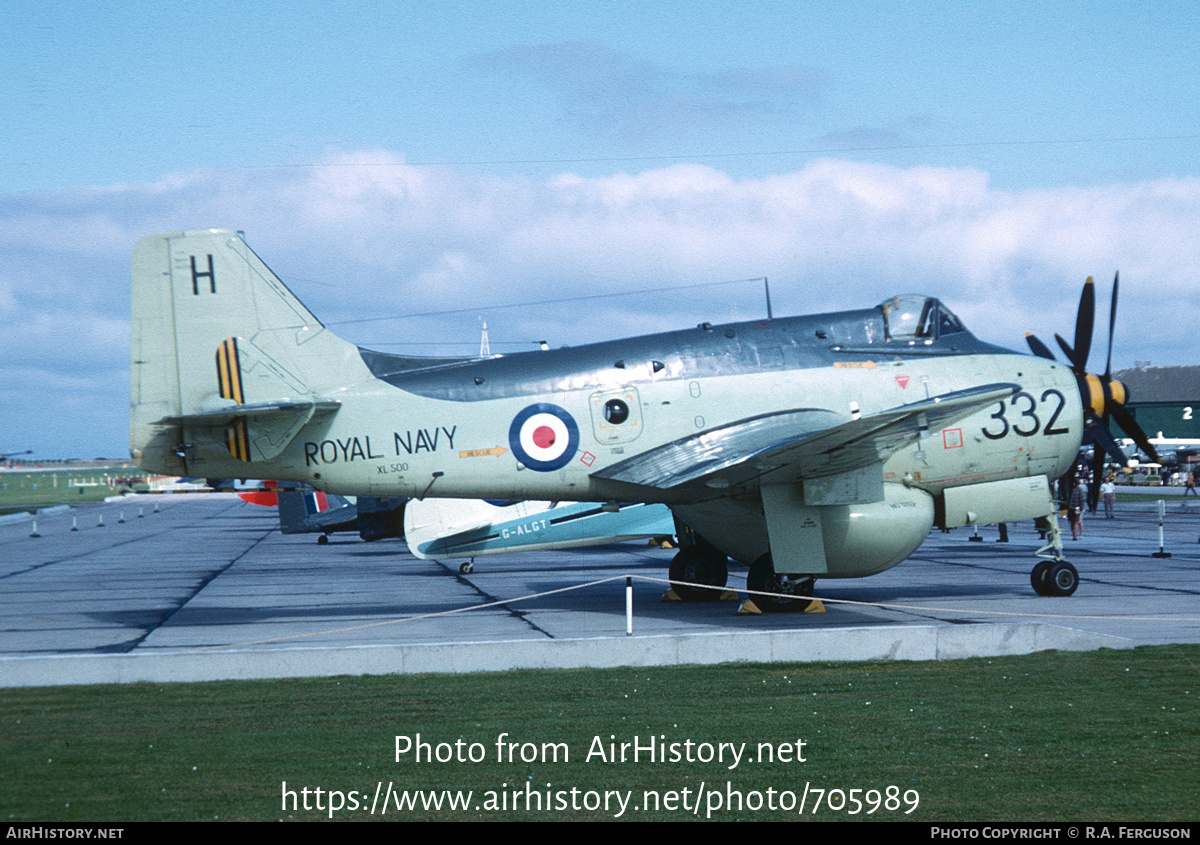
[{"x": 649, "y": 579}]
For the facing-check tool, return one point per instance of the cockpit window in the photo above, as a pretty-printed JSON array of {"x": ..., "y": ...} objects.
[
  {"x": 913, "y": 318},
  {"x": 904, "y": 317},
  {"x": 947, "y": 322}
]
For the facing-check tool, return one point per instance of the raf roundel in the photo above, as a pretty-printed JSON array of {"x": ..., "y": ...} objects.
[{"x": 544, "y": 437}]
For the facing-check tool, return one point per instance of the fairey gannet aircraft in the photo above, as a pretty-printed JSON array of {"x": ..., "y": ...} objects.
[{"x": 821, "y": 446}]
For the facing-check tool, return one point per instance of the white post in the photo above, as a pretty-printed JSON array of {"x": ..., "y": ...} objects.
[
  {"x": 1162, "y": 512},
  {"x": 628, "y": 606}
]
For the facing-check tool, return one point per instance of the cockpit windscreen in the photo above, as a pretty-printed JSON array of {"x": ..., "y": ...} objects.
[{"x": 913, "y": 318}]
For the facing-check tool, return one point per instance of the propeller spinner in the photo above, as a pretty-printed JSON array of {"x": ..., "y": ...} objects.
[{"x": 1103, "y": 396}]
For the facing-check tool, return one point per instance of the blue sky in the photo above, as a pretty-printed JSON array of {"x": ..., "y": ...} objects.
[
  {"x": 1034, "y": 93},
  {"x": 395, "y": 158}
]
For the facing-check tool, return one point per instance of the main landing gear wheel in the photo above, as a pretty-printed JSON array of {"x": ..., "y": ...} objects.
[
  {"x": 1054, "y": 578},
  {"x": 693, "y": 566},
  {"x": 323, "y": 540},
  {"x": 789, "y": 593},
  {"x": 1061, "y": 579},
  {"x": 466, "y": 567},
  {"x": 1037, "y": 578}
]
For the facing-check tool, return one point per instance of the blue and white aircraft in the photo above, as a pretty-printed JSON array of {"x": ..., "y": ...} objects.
[{"x": 467, "y": 528}]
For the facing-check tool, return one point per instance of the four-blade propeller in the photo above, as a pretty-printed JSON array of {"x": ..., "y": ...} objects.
[{"x": 1103, "y": 396}]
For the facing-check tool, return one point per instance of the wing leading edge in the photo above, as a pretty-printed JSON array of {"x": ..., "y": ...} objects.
[{"x": 795, "y": 444}]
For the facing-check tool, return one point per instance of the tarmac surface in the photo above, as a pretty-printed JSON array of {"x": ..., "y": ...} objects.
[{"x": 205, "y": 587}]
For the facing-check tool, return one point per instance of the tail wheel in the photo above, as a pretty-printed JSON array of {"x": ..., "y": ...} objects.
[
  {"x": 787, "y": 593},
  {"x": 693, "y": 566}
]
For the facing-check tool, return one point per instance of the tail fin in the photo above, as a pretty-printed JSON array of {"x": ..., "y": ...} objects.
[
  {"x": 428, "y": 523},
  {"x": 295, "y": 508},
  {"x": 313, "y": 512},
  {"x": 227, "y": 365}
]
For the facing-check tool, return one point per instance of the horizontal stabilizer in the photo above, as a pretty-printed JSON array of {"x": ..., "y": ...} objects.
[
  {"x": 261, "y": 410},
  {"x": 253, "y": 402}
]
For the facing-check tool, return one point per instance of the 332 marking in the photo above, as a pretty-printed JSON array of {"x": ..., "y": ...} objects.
[{"x": 1027, "y": 422}]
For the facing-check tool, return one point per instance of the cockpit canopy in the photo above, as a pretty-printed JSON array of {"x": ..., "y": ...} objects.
[{"x": 912, "y": 319}]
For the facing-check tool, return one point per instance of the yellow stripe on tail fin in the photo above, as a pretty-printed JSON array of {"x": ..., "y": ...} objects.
[
  {"x": 229, "y": 386},
  {"x": 229, "y": 371}
]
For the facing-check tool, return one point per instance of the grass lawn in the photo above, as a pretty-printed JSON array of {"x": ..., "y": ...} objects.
[
  {"x": 1106, "y": 736},
  {"x": 33, "y": 489}
]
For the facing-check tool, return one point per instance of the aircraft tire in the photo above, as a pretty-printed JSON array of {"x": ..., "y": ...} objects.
[
  {"x": 1062, "y": 579},
  {"x": 692, "y": 566},
  {"x": 466, "y": 567},
  {"x": 323, "y": 539},
  {"x": 789, "y": 594},
  {"x": 1037, "y": 578}
]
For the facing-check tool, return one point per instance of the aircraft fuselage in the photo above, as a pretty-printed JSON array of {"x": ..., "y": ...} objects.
[{"x": 398, "y": 425}]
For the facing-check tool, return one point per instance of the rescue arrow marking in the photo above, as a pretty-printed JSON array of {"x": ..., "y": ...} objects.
[{"x": 479, "y": 453}]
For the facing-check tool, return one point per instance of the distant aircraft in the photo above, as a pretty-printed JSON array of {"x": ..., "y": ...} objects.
[
  {"x": 1167, "y": 447},
  {"x": 456, "y": 528},
  {"x": 1176, "y": 454},
  {"x": 308, "y": 511},
  {"x": 315, "y": 512},
  {"x": 264, "y": 494},
  {"x": 822, "y": 446},
  {"x": 381, "y": 517}
]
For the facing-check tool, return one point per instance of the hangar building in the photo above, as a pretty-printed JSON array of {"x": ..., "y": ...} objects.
[{"x": 1164, "y": 399}]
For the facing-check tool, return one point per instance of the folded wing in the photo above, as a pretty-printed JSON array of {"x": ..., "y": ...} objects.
[{"x": 795, "y": 444}]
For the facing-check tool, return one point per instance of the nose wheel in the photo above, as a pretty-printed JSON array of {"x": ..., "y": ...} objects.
[
  {"x": 1054, "y": 578},
  {"x": 786, "y": 593}
]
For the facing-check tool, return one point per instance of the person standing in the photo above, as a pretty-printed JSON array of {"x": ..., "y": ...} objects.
[
  {"x": 1075, "y": 505},
  {"x": 1108, "y": 492}
]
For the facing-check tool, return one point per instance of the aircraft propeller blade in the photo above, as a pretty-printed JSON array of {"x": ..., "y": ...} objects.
[
  {"x": 1094, "y": 483},
  {"x": 1104, "y": 441},
  {"x": 1039, "y": 349},
  {"x": 1111, "y": 403},
  {"x": 1130, "y": 426},
  {"x": 1070, "y": 353},
  {"x": 1112, "y": 321},
  {"x": 1085, "y": 320}
]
